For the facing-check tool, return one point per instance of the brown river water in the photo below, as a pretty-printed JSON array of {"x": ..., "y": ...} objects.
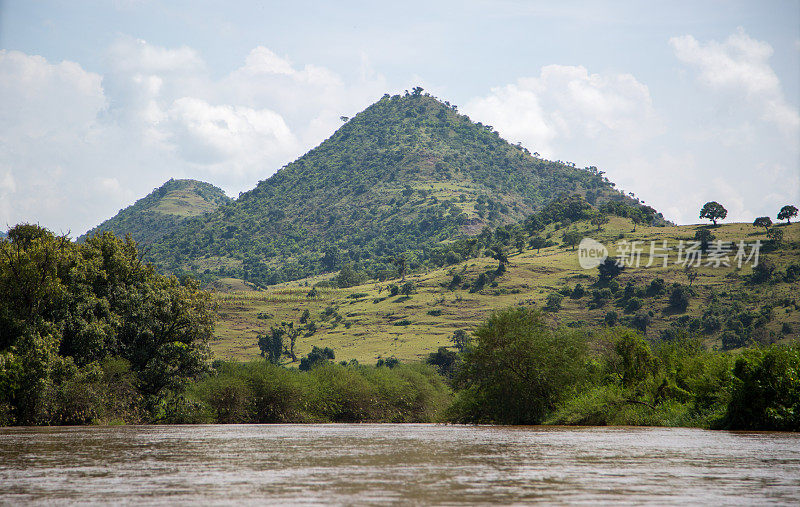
[{"x": 405, "y": 464}]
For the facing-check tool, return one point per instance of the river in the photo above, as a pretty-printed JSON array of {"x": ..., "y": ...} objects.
[{"x": 385, "y": 463}]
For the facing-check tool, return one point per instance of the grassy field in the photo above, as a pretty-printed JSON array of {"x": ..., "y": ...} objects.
[
  {"x": 183, "y": 203},
  {"x": 366, "y": 323}
]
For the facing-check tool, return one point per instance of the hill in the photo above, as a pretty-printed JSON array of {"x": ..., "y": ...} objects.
[
  {"x": 160, "y": 212},
  {"x": 727, "y": 306},
  {"x": 405, "y": 177}
]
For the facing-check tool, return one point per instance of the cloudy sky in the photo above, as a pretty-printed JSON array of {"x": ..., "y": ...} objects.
[{"x": 679, "y": 102}]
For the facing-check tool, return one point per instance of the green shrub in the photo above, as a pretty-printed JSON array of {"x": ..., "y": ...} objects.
[
  {"x": 680, "y": 297},
  {"x": 766, "y": 390},
  {"x": 633, "y": 305},
  {"x": 316, "y": 357},
  {"x": 517, "y": 369},
  {"x": 554, "y": 302}
]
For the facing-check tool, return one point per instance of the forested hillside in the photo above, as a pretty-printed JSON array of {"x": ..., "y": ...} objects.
[
  {"x": 401, "y": 178},
  {"x": 163, "y": 209}
]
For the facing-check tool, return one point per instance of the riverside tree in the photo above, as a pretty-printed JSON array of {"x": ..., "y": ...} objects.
[
  {"x": 71, "y": 312},
  {"x": 517, "y": 369}
]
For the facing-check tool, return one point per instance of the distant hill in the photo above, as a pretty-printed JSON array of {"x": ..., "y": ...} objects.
[
  {"x": 727, "y": 307},
  {"x": 405, "y": 177},
  {"x": 163, "y": 209}
]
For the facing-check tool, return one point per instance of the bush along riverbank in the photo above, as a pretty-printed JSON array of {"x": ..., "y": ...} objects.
[
  {"x": 90, "y": 335},
  {"x": 260, "y": 392},
  {"x": 517, "y": 370}
]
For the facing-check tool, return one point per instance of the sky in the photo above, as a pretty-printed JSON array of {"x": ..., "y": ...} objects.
[{"x": 679, "y": 102}]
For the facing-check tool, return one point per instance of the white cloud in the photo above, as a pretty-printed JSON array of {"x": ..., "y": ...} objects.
[
  {"x": 565, "y": 103},
  {"x": 48, "y": 120},
  {"x": 76, "y": 146},
  {"x": 39, "y": 100},
  {"x": 214, "y": 135},
  {"x": 674, "y": 160},
  {"x": 740, "y": 66},
  {"x": 263, "y": 61}
]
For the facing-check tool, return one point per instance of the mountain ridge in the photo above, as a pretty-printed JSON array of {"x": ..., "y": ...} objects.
[
  {"x": 404, "y": 177},
  {"x": 160, "y": 211}
]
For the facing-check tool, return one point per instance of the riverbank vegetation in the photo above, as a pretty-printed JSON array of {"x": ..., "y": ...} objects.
[
  {"x": 90, "y": 334},
  {"x": 520, "y": 371},
  {"x": 260, "y": 392}
]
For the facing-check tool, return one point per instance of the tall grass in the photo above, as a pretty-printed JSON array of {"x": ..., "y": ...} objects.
[{"x": 258, "y": 392}]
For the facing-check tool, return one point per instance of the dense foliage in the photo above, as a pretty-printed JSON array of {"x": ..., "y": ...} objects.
[
  {"x": 160, "y": 212},
  {"x": 398, "y": 179},
  {"x": 261, "y": 392},
  {"x": 88, "y": 332},
  {"x": 766, "y": 390},
  {"x": 518, "y": 370}
]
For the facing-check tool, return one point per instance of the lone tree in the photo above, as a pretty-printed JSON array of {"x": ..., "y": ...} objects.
[
  {"x": 599, "y": 220},
  {"x": 271, "y": 345},
  {"x": 400, "y": 262},
  {"x": 764, "y": 222},
  {"x": 461, "y": 340},
  {"x": 498, "y": 253},
  {"x": 713, "y": 211},
  {"x": 538, "y": 243},
  {"x": 292, "y": 333},
  {"x": 572, "y": 238},
  {"x": 787, "y": 213},
  {"x": 609, "y": 269}
]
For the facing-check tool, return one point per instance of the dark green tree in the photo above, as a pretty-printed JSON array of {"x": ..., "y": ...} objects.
[
  {"x": 538, "y": 243},
  {"x": 705, "y": 237},
  {"x": 609, "y": 269},
  {"x": 518, "y": 369},
  {"x": 787, "y": 213},
  {"x": 764, "y": 222},
  {"x": 461, "y": 340},
  {"x": 444, "y": 360},
  {"x": 67, "y": 308},
  {"x": 713, "y": 211},
  {"x": 271, "y": 344},
  {"x": 498, "y": 253},
  {"x": 600, "y": 219},
  {"x": 572, "y": 238},
  {"x": 316, "y": 357},
  {"x": 401, "y": 264}
]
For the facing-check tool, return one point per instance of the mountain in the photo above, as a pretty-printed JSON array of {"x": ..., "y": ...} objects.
[
  {"x": 163, "y": 209},
  {"x": 406, "y": 176}
]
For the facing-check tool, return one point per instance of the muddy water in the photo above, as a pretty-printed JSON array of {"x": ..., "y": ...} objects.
[{"x": 417, "y": 464}]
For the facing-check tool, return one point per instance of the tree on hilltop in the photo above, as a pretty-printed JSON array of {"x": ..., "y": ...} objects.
[
  {"x": 764, "y": 222},
  {"x": 787, "y": 213},
  {"x": 713, "y": 211}
]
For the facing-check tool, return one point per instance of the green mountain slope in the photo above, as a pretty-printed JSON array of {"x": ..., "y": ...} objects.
[
  {"x": 403, "y": 177},
  {"x": 163, "y": 209},
  {"x": 727, "y": 307}
]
